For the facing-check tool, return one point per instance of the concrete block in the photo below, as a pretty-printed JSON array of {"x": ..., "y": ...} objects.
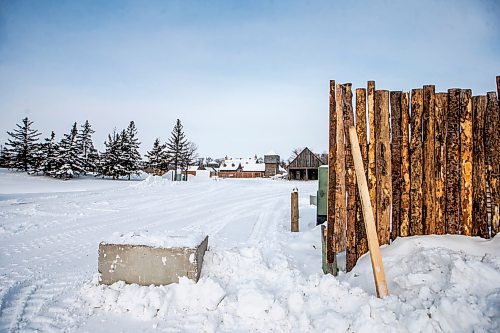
[{"x": 146, "y": 265}]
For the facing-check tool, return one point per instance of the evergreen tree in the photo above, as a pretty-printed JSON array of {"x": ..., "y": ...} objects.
[
  {"x": 157, "y": 158},
  {"x": 49, "y": 150},
  {"x": 86, "y": 147},
  {"x": 68, "y": 161},
  {"x": 3, "y": 157},
  {"x": 109, "y": 159},
  {"x": 177, "y": 146},
  {"x": 20, "y": 151},
  {"x": 130, "y": 151}
]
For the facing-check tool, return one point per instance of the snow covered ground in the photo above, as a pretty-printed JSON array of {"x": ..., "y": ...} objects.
[{"x": 256, "y": 277}]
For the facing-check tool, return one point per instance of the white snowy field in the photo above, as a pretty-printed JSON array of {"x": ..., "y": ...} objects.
[{"x": 256, "y": 277}]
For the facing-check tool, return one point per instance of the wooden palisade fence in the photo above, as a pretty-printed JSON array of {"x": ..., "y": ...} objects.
[{"x": 432, "y": 164}]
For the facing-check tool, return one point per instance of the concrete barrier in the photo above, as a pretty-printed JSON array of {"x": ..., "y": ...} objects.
[{"x": 146, "y": 265}]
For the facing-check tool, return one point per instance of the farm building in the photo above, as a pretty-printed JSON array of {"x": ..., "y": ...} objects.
[
  {"x": 250, "y": 167},
  {"x": 304, "y": 166}
]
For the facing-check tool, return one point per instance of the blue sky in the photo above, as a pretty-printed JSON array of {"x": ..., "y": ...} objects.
[{"x": 244, "y": 77}]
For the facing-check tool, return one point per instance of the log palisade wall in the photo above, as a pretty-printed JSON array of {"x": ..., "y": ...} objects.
[{"x": 432, "y": 161}]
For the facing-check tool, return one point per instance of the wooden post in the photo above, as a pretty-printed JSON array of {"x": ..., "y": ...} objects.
[
  {"x": 441, "y": 110},
  {"x": 361, "y": 242},
  {"x": 493, "y": 124},
  {"x": 372, "y": 164},
  {"x": 396, "y": 144},
  {"x": 350, "y": 179},
  {"x": 479, "y": 211},
  {"x": 453, "y": 163},
  {"x": 383, "y": 158},
  {"x": 371, "y": 232},
  {"x": 405, "y": 167},
  {"x": 428, "y": 184},
  {"x": 466, "y": 155},
  {"x": 498, "y": 90},
  {"x": 295, "y": 211},
  {"x": 332, "y": 156},
  {"x": 340, "y": 195},
  {"x": 416, "y": 171}
]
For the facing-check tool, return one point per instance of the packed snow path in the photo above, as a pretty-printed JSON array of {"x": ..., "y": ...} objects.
[{"x": 257, "y": 275}]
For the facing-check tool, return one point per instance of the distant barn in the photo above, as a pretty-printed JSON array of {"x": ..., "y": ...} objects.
[{"x": 304, "y": 166}]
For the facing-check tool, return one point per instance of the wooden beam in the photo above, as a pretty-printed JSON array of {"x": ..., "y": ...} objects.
[
  {"x": 453, "y": 165},
  {"x": 332, "y": 156},
  {"x": 416, "y": 171},
  {"x": 371, "y": 231},
  {"x": 294, "y": 199},
  {"x": 428, "y": 163},
  {"x": 350, "y": 179},
  {"x": 383, "y": 159},
  {"x": 405, "y": 167},
  {"x": 479, "y": 168},
  {"x": 466, "y": 156},
  {"x": 396, "y": 143},
  {"x": 340, "y": 195},
  {"x": 441, "y": 109},
  {"x": 361, "y": 241},
  {"x": 493, "y": 124},
  {"x": 372, "y": 164}
]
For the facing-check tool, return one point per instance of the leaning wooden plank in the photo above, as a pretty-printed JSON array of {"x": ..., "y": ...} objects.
[
  {"x": 350, "y": 179},
  {"x": 416, "y": 226},
  {"x": 405, "y": 167},
  {"x": 428, "y": 186},
  {"x": 361, "y": 242},
  {"x": 332, "y": 156},
  {"x": 453, "y": 165},
  {"x": 493, "y": 123},
  {"x": 372, "y": 164},
  {"x": 466, "y": 156},
  {"x": 441, "y": 107},
  {"x": 479, "y": 212},
  {"x": 396, "y": 144},
  {"x": 371, "y": 231},
  {"x": 340, "y": 195},
  {"x": 383, "y": 158}
]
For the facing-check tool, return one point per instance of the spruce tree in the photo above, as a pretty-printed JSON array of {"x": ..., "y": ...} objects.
[
  {"x": 109, "y": 159},
  {"x": 20, "y": 149},
  {"x": 177, "y": 146},
  {"x": 3, "y": 157},
  {"x": 49, "y": 150},
  {"x": 68, "y": 162},
  {"x": 157, "y": 159},
  {"x": 86, "y": 147},
  {"x": 130, "y": 151}
]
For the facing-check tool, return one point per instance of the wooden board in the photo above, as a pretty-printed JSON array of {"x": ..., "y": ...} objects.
[
  {"x": 466, "y": 159},
  {"x": 332, "y": 156},
  {"x": 361, "y": 129},
  {"x": 404, "y": 229},
  {"x": 340, "y": 203},
  {"x": 372, "y": 164},
  {"x": 396, "y": 144},
  {"x": 383, "y": 162},
  {"x": 453, "y": 165},
  {"x": 441, "y": 108},
  {"x": 479, "y": 209},
  {"x": 428, "y": 184},
  {"x": 416, "y": 171},
  {"x": 493, "y": 157},
  {"x": 351, "y": 253}
]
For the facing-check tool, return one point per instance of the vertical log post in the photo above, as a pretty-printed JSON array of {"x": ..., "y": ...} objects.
[
  {"x": 405, "y": 167},
  {"x": 350, "y": 179},
  {"x": 332, "y": 156},
  {"x": 466, "y": 156},
  {"x": 383, "y": 159},
  {"x": 396, "y": 144},
  {"x": 361, "y": 242},
  {"x": 340, "y": 195},
  {"x": 428, "y": 184},
  {"x": 375, "y": 256},
  {"x": 441, "y": 108},
  {"x": 453, "y": 163},
  {"x": 479, "y": 211},
  {"x": 493, "y": 124},
  {"x": 295, "y": 211},
  {"x": 416, "y": 171},
  {"x": 372, "y": 164}
]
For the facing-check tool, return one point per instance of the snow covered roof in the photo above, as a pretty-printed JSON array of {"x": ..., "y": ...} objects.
[
  {"x": 271, "y": 153},
  {"x": 247, "y": 164}
]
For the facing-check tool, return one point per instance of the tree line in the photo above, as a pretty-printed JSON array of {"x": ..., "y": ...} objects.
[{"x": 74, "y": 154}]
